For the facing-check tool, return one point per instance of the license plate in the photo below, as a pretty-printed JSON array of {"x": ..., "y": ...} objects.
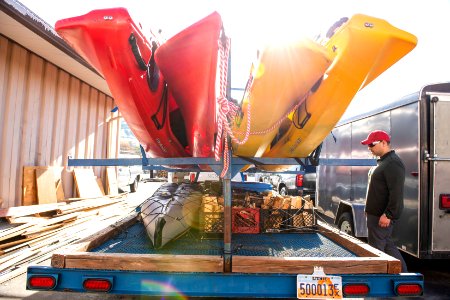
[{"x": 319, "y": 287}]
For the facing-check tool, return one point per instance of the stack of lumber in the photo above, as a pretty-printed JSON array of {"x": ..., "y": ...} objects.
[
  {"x": 44, "y": 184},
  {"x": 30, "y": 234}
]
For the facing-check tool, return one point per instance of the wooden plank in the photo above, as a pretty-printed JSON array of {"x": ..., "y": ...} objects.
[
  {"x": 38, "y": 231},
  {"x": 23, "y": 220},
  {"x": 356, "y": 246},
  {"x": 144, "y": 262},
  {"x": 46, "y": 189},
  {"x": 360, "y": 248},
  {"x": 86, "y": 184},
  {"x": 60, "y": 191},
  {"x": 99, "y": 238},
  {"x": 14, "y": 243},
  {"x": 112, "y": 187},
  {"x": 305, "y": 265},
  {"x": 29, "y": 186},
  {"x": 13, "y": 232},
  {"x": 87, "y": 204},
  {"x": 100, "y": 185},
  {"x": 20, "y": 211}
]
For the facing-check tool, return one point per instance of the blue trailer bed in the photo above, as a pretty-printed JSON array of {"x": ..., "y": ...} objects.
[{"x": 121, "y": 260}]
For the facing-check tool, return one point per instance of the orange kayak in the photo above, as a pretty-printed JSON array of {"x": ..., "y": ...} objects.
[
  {"x": 363, "y": 48},
  {"x": 280, "y": 79}
]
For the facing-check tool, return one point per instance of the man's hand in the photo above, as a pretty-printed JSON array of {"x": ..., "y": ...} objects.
[{"x": 384, "y": 221}]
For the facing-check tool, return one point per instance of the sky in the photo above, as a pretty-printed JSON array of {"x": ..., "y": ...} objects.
[{"x": 250, "y": 23}]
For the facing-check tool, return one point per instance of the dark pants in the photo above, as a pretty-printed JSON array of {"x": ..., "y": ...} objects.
[{"x": 380, "y": 238}]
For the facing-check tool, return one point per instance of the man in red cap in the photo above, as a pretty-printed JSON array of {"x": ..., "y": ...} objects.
[{"x": 384, "y": 203}]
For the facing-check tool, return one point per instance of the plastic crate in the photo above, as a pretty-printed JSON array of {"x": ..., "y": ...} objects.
[
  {"x": 283, "y": 219},
  {"x": 245, "y": 220},
  {"x": 211, "y": 222}
]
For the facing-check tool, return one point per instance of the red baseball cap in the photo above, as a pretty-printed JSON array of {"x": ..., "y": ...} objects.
[{"x": 377, "y": 135}]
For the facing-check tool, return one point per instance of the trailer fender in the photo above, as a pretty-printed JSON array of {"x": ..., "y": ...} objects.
[{"x": 356, "y": 211}]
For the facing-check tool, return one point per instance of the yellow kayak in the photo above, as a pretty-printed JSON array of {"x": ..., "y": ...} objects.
[
  {"x": 280, "y": 79},
  {"x": 364, "y": 47}
]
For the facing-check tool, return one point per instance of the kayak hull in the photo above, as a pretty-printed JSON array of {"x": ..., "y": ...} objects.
[
  {"x": 280, "y": 80},
  {"x": 171, "y": 213},
  {"x": 105, "y": 39},
  {"x": 363, "y": 48},
  {"x": 188, "y": 62}
]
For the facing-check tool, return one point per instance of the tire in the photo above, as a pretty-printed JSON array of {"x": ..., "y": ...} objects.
[
  {"x": 346, "y": 225},
  {"x": 134, "y": 186},
  {"x": 283, "y": 191}
]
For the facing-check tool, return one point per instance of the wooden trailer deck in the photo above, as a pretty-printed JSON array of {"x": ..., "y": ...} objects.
[{"x": 125, "y": 246}]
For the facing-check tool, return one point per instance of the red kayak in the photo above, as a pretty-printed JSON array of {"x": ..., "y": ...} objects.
[
  {"x": 114, "y": 45},
  {"x": 188, "y": 62}
]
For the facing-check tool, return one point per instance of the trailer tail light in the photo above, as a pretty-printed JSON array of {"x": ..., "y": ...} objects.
[
  {"x": 97, "y": 284},
  {"x": 42, "y": 282},
  {"x": 444, "y": 201},
  {"x": 192, "y": 177},
  {"x": 356, "y": 289},
  {"x": 408, "y": 289},
  {"x": 299, "y": 180}
]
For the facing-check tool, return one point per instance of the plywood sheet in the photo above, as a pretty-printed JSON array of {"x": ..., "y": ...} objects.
[
  {"x": 60, "y": 191},
  {"x": 46, "y": 189},
  {"x": 29, "y": 183},
  {"x": 100, "y": 185},
  {"x": 86, "y": 183},
  {"x": 29, "y": 195},
  {"x": 112, "y": 187}
]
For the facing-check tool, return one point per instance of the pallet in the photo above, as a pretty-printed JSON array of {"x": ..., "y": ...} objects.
[{"x": 367, "y": 260}]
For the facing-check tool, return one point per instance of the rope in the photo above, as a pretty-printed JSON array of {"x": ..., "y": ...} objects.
[
  {"x": 228, "y": 110},
  {"x": 224, "y": 105}
]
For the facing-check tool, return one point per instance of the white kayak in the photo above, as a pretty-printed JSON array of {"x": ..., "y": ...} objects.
[{"x": 171, "y": 212}]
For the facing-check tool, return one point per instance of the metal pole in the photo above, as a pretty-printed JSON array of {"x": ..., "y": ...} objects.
[{"x": 227, "y": 220}]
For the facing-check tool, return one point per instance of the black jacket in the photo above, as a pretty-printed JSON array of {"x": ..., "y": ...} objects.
[{"x": 385, "y": 193}]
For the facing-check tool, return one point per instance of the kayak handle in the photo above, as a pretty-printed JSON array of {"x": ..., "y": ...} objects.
[{"x": 137, "y": 54}]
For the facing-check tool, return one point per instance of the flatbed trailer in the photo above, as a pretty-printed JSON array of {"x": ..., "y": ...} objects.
[{"x": 316, "y": 262}]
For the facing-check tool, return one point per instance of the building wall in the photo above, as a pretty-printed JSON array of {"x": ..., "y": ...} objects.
[{"x": 46, "y": 115}]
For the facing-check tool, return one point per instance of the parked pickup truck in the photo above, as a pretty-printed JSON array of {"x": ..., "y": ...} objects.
[{"x": 302, "y": 183}]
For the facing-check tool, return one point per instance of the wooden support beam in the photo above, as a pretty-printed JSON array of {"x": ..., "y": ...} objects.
[
  {"x": 305, "y": 265},
  {"x": 142, "y": 262}
]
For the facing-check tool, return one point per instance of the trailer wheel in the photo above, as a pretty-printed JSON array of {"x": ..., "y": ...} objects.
[
  {"x": 283, "y": 191},
  {"x": 345, "y": 224}
]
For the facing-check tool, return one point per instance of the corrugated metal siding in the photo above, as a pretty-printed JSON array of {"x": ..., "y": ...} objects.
[{"x": 47, "y": 115}]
